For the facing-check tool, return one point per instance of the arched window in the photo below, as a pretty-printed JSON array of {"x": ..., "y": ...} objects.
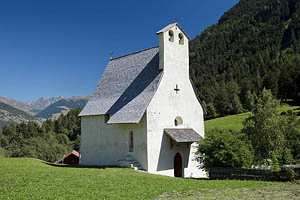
[
  {"x": 181, "y": 38},
  {"x": 171, "y": 36},
  {"x": 178, "y": 121},
  {"x": 131, "y": 141}
]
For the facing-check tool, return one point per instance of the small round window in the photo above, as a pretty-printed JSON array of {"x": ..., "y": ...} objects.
[{"x": 178, "y": 121}]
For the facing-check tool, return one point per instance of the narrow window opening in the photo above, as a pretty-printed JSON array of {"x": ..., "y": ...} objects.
[
  {"x": 171, "y": 36},
  {"x": 181, "y": 38},
  {"x": 131, "y": 141}
]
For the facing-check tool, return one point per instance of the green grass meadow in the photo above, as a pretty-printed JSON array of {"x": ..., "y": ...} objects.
[
  {"x": 235, "y": 122},
  {"x": 26, "y": 178},
  {"x": 231, "y": 122}
]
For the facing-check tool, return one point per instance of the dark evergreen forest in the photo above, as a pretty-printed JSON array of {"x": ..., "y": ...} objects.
[
  {"x": 48, "y": 142},
  {"x": 255, "y": 45}
]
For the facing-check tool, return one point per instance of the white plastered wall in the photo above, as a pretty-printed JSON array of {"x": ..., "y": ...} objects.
[
  {"x": 104, "y": 144},
  {"x": 166, "y": 105}
]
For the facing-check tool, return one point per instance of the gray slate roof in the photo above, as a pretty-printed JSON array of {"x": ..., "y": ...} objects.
[
  {"x": 126, "y": 87},
  {"x": 183, "y": 135}
]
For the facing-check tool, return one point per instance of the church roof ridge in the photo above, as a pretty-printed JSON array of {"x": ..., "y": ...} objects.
[
  {"x": 126, "y": 87},
  {"x": 172, "y": 25},
  {"x": 136, "y": 52}
]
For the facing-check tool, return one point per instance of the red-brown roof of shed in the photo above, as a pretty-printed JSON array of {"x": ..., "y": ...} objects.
[{"x": 73, "y": 152}]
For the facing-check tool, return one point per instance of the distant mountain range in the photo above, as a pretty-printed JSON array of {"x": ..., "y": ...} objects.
[
  {"x": 43, "y": 102},
  {"x": 12, "y": 110},
  {"x": 9, "y": 114},
  {"x": 62, "y": 106},
  {"x": 20, "y": 105}
]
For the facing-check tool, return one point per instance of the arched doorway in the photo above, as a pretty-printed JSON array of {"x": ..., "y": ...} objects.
[{"x": 178, "y": 165}]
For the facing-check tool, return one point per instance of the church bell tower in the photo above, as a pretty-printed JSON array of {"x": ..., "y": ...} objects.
[{"x": 173, "y": 50}]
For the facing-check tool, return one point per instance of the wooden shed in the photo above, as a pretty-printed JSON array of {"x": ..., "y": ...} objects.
[{"x": 70, "y": 158}]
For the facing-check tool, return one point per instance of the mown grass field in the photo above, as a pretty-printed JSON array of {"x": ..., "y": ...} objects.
[
  {"x": 26, "y": 178},
  {"x": 235, "y": 122}
]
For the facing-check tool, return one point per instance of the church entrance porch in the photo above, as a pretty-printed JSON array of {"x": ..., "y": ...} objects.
[
  {"x": 176, "y": 153},
  {"x": 178, "y": 165}
]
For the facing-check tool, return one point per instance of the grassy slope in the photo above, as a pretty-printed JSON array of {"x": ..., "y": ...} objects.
[
  {"x": 18, "y": 105},
  {"x": 24, "y": 178},
  {"x": 14, "y": 115},
  {"x": 14, "y": 111},
  {"x": 235, "y": 122}
]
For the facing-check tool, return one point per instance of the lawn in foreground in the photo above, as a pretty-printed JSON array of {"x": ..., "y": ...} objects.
[
  {"x": 281, "y": 191},
  {"x": 25, "y": 178}
]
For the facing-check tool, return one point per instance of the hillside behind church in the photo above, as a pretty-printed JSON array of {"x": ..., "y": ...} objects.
[{"x": 255, "y": 45}]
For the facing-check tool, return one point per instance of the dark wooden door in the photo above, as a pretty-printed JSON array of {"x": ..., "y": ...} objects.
[{"x": 178, "y": 165}]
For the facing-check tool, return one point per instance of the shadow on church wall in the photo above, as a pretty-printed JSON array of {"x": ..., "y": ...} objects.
[{"x": 167, "y": 155}]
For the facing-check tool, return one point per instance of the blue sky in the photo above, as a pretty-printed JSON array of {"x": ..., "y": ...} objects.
[{"x": 61, "y": 47}]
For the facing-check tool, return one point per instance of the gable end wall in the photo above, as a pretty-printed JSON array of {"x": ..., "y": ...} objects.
[
  {"x": 104, "y": 144},
  {"x": 166, "y": 105}
]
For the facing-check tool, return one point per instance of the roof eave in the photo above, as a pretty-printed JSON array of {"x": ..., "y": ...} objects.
[
  {"x": 86, "y": 115},
  {"x": 122, "y": 122},
  {"x": 195, "y": 137}
]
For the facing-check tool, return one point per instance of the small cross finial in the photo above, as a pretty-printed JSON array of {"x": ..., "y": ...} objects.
[
  {"x": 177, "y": 89},
  {"x": 110, "y": 55},
  {"x": 176, "y": 20}
]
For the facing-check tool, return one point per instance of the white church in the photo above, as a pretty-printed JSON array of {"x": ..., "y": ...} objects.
[{"x": 144, "y": 112}]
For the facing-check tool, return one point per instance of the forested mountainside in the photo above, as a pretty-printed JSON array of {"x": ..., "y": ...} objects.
[
  {"x": 255, "y": 45},
  {"x": 9, "y": 114},
  {"x": 19, "y": 105}
]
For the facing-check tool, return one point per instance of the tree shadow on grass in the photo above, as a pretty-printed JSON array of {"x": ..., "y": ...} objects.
[{"x": 77, "y": 166}]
